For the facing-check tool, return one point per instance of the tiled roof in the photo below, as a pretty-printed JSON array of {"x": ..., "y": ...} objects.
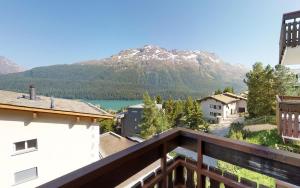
[
  {"x": 111, "y": 143},
  {"x": 42, "y": 102},
  {"x": 222, "y": 98},
  {"x": 234, "y": 96}
]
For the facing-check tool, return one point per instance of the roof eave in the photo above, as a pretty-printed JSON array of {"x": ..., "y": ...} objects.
[{"x": 53, "y": 111}]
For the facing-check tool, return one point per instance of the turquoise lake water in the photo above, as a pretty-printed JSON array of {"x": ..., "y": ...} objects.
[{"x": 114, "y": 104}]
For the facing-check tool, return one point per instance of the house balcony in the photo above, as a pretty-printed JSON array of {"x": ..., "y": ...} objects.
[
  {"x": 182, "y": 172},
  {"x": 289, "y": 44},
  {"x": 288, "y": 111}
]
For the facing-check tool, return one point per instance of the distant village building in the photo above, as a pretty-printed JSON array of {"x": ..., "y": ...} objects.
[
  {"x": 131, "y": 120},
  {"x": 43, "y": 138},
  {"x": 222, "y": 106}
]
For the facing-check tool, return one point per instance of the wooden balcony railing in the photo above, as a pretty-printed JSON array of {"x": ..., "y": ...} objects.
[
  {"x": 290, "y": 32},
  {"x": 180, "y": 172},
  {"x": 288, "y": 111}
]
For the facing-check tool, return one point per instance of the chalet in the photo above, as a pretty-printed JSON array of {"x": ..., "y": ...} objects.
[
  {"x": 43, "y": 138},
  {"x": 131, "y": 120},
  {"x": 222, "y": 106}
]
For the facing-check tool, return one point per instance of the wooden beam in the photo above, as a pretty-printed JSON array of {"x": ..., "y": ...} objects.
[{"x": 94, "y": 120}]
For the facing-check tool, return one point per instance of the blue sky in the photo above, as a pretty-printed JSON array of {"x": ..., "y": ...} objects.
[{"x": 39, "y": 33}]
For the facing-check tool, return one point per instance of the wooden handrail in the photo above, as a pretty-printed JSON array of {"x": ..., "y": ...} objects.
[
  {"x": 287, "y": 117},
  {"x": 115, "y": 169},
  {"x": 288, "y": 34}
]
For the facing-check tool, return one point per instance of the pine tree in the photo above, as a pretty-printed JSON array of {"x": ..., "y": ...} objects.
[
  {"x": 228, "y": 89},
  {"x": 158, "y": 99},
  {"x": 107, "y": 125},
  {"x": 148, "y": 119},
  {"x": 217, "y": 92},
  {"x": 154, "y": 120},
  {"x": 264, "y": 83},
  {"x": 178, "y": 112},
  {"x": 169, "y": 107},
  {"x": 285, "y": 81}
]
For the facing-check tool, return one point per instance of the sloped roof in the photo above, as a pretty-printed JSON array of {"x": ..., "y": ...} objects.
[
  {"x": 13, "y": 99},
  {"x": 235, "y": 96},
  {"x": 111, "y": 143},
  {"x": 159, "y": 106},
  {"x": 221, "y": 98}
]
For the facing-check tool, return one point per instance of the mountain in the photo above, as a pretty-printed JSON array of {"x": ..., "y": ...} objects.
[
  {"x": 7, "y": 66},
  {"x": 132, "y": 72}
]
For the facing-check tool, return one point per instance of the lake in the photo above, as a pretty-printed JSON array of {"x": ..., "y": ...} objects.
[{"x": 114, "y": 104}]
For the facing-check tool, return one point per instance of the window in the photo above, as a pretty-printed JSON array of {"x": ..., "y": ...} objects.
[
  {"x": 215, "y": 106},
  {"x": 211, "y": 113},
  {"x": 219, "y": 107},
  {"x": 19, "y": 146},
  {"x": 32, "y": 143},
  {"x": 211, "y": 106},
  {"x": 24, "y": 146},
  {"x": 26, "y": 175}
]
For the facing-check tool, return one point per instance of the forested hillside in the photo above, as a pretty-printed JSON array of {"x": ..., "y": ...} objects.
[{"x": 128, "y": 77}]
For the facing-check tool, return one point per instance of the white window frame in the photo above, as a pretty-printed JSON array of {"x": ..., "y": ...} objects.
[
  {"x": 26, "y": 149},
  {"x": 28, "y": 179}
]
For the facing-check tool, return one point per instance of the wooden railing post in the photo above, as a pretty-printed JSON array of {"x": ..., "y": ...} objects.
[
  {"x": 163, "y": 162},
  {"x": 200, "y": 177},
  {"x": 170, "y": 179},
  {"x": 179, "y": 176},
  {"x": 190, "y": 178}
]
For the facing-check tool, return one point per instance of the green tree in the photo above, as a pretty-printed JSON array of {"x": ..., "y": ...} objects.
[
  {"x": 158, "y": 99},
  {"x": 257, "y": 81},
  {"x": 153, "y": 120},
  {"x": 107, "y": 125},
  {"x": 217, "y": 92},
  {"x": 264, "y": 83},
  {"x": 169, "y": 107},
  {"x": 188, "y": 111},
  {"x": 195, "y": 119},
  {"x": 178, "y": 112},
  {"x": 228, "y": 89},
  {"x": 285, "y": 81}
]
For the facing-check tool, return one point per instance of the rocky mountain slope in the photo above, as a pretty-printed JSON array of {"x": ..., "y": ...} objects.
[
  {"x": 132, "y": 72},
  {"x": 7, "y": 66}
]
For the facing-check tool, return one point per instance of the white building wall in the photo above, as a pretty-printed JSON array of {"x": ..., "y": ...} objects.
[
  {"x": 206, "y": 109},
  {"x": 242, "y": 104},
  {"x": 225, "y": 111},
  {"x": 63, "y": 146},
  {"x": 229, "y": 109}
]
